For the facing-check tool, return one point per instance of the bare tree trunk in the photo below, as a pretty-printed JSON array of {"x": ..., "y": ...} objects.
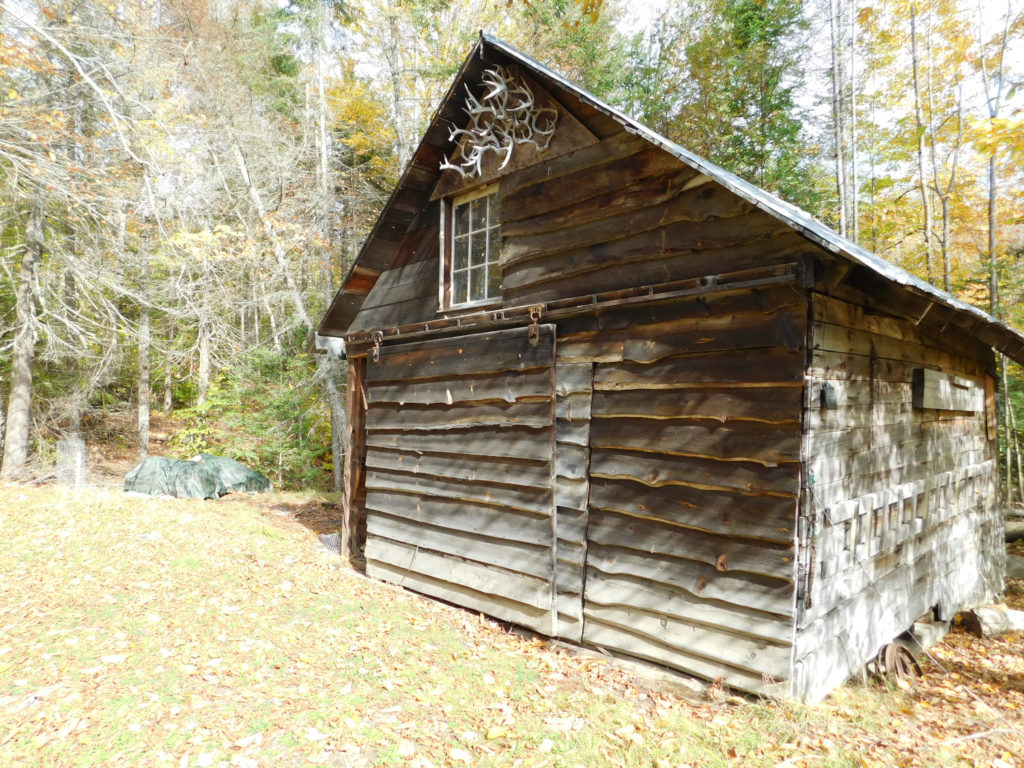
[
  {"x": 838, "y": 132},
  {"x": 1016, "y": 450},
  {"x": 271, "y": 317},
  {"x": 993, "y": 261},
  {"x": 144, "y": 384},
  {"x": 854, "y": 184},
  {"x": 279, "y": 252},
  {"x": 947, "y": 266},
  {"x": 168, "y": 389},
  {"x": 204, "y": 362},
  {"x": 78, "y": 397},
  {"x": 328, "y": 366},
  {"x": 19, "y": 405},
  {"x": 169, "y": 373},
  {"x": 328, "y": 363},
  {"x": 926, "y": 205},
  {"x": 3, "y": 421}
]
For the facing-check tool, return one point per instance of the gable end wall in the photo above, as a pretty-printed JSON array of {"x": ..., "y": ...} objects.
[{"x": 902, "y": 499}]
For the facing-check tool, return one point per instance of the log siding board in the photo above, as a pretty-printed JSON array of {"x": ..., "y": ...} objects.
[
  {"x": 727, "y": 554},
  {"x": 902, "y": 497},
  {"x": 668, "y": 254},
  {"x": 728, "y": 513}
]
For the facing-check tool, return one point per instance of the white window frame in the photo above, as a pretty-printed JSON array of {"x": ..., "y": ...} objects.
[{"x": 447, "y": 233}]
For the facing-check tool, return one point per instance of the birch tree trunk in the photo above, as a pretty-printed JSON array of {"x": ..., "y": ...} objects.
[
  {"x": 19, "y": 405},
  {"x": 854, "y": 182},
  {"x": 204, "y": 362},
  {"x": 144, "y": 384},
  {"x": 275, "y": 242},
  {"x": 926, "y": 205},
  {"x": 993, "y": 261},
  {"x": 328, "y": 364},
  {"x": 838, "y": 128}
]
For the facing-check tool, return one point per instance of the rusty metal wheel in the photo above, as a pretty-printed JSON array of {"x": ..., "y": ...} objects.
[{"x": 896, "y": 661}]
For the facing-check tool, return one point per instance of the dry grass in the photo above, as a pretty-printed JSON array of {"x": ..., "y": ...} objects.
[{"x": 166, "y": 632}]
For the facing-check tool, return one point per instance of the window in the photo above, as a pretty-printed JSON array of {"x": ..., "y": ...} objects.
[{"x": 474, "y": 276}]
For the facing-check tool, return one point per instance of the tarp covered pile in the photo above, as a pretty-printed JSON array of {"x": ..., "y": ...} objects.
[{"x": 204, "y": 477}]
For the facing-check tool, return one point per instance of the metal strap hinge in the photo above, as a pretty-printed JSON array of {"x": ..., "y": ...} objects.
[
  {"x": 533, "y": 332},
  {"x": 378, "y": 337}
]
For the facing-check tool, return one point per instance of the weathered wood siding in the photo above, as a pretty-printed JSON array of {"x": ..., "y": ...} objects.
[
  {"x": 900, "y": 513},
  {"x": 403, "y": 295},
  {"x": 459, "y": 466},
  {"x": 624, "y": 213},
  {"x": 694, "y": 447}
]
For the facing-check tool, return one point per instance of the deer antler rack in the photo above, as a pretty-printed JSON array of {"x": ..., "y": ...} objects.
[{"x": 506, "y": 116}]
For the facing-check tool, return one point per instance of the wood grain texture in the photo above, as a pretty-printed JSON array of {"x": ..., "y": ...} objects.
[
  {"x": 531, "y": 560},
  {"x": 492, "y": 520},
  {"x": 521, "y": 413},
  {"x": 510, "y": 442},
  {"x": 698, "y": 639},
  {"x": 770, "y": 518},
  {"x": 767, "y": 405},
  {"x": 464, "y": 389},
  {"x": 699, "y": 580},
  {"x": 663, "y": 542},
  {"x": 623, "y": 589},
  {"x": 734, "y": 441},
  {"x": 534, "y": 473},
  {"x": 626, "y": 639},
  {"x": 649, "y": 344},
  {"x": 669, "y": 253},
  {"x": 771, "y": 367},
  {"x": 657, "y": 471},
  {"x": 478, "y": 354}
]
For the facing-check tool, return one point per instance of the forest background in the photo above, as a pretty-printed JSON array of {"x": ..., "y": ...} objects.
[{"x": 184, "y": 184}]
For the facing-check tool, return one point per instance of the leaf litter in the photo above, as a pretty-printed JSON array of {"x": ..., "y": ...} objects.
[{"x": 167, "y": 632}]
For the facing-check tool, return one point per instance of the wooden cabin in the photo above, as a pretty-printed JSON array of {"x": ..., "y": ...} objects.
[{"x": 601, "y": 388}]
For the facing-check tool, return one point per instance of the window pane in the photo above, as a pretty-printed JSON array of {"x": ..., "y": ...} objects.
[
  {"x": 493, "y": 215},
  {"x": 478, "y": 276},
  {"x": 479, "y": 220},
  {"x": 493, "y": 281},
  {"x": 460, "y": 285},
  {"x": 460, "y": 223},
  {"x": 460, "y": 253},
  {"x": 475, "y": 246},
  {"x": 493, "y": 244}
]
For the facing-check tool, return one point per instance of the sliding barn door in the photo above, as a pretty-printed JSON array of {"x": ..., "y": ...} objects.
[{"x": 459, "y": 467}]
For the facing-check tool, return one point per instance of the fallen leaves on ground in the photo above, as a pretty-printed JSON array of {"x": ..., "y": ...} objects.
[{"x": 159, "y": 632}]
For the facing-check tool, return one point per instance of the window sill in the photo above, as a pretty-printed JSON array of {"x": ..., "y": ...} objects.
[{"x": 460, "y": 308}]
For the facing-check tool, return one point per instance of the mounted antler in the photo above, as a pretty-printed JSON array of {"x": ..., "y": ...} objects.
[{"x": 506, "y": 116}]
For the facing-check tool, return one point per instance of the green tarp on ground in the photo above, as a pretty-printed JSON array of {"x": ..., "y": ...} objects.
[
  {"x": 235, "y": 476},
  {"x": 205, "y": 477}
]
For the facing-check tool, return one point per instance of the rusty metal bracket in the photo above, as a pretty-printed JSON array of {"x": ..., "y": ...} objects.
[
  {"x": 378, "y": 337},
  {"x": 533, "y": 332}
]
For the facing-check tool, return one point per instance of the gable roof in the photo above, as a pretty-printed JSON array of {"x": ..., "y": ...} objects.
[{"x": 413, "y": 191}]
